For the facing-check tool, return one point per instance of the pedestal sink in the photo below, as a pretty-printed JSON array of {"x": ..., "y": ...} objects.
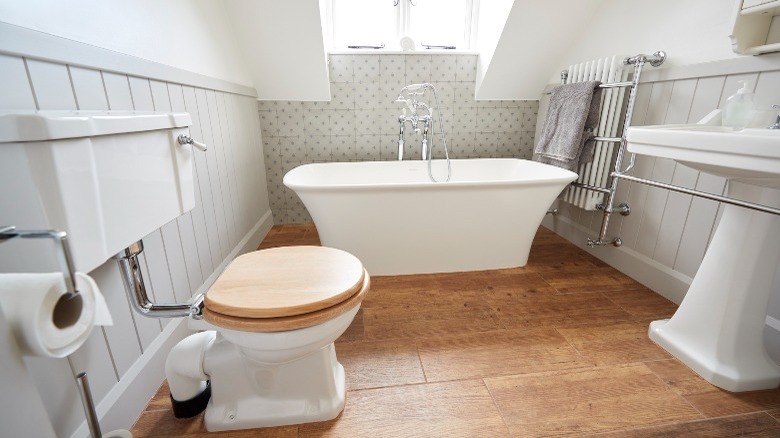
[{"x": 718, "y": 329}]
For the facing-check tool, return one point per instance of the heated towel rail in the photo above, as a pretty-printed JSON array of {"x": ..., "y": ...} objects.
[
  {"x": 619, "y": 173},
  {"x": 608, "y": 206}
]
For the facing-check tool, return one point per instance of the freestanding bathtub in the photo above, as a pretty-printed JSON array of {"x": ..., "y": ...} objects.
[{"x": 396, "y": 221}]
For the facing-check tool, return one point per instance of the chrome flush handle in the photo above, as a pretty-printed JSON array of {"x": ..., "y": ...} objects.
[
  {"x": 186, "y": 139},
  {"x": 777, "y": 121}
]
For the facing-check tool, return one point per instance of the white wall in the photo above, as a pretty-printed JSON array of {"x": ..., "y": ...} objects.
[
  {"x": 534, "y": 38},
  {"x": 193, "y": 35},
  {"x": 691, "y": 31},
  {"x": 282, "y": 42}
]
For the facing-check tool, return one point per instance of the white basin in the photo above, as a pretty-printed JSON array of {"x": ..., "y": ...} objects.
[
  {"x": 750, "y": 155},
  {"x": 718, "y": 329}
]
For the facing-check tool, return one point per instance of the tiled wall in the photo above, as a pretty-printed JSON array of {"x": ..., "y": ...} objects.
[{"x": 361, "y": 120}]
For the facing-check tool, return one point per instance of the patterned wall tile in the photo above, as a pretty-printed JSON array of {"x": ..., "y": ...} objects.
[
  {"x": 464, "y": 95},
  {"x": 487, "y": 144},
  {"x": 443, "y": 68},
  {"x": 367, "y": 147},
  {"x": 464, "y": 120},
  {"x": 317, "y": 122},
  {"x": 466, "y": 68},
  {"x": 388, "y": 147},
  {"x": 293, "y": 148},
  {"x": 446, "y": 93},
  {"x": 392, "y": 68},
  {"x": 340, "y": 68},
  {"x": 342, "y": 147},
  {"x": 489, "y": 120},
  {"x": 367, "y": 95},
  {"x": 367, "y": 121},
  {"x": 418, "y": 69},
  {"x": 268, "y": 122},
  {"x": 366, "y": 68},
  {"x": 342, "y": 122},
  {"x": 290, "y": 118},
  {"x": 388, "y": 94},
  {"x": 318, "y": 148},
  {"x": 342, "y": 96}
]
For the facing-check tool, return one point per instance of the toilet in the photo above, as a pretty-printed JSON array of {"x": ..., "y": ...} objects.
[{"x": 266, "y": 357}]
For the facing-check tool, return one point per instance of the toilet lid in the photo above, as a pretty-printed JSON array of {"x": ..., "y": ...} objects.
[{"x": 285, "y": 281}]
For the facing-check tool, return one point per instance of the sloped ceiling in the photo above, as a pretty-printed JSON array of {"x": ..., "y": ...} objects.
[
  {"x": 283, "y": 47},
  {"x": 535, "y": 37},
  {"x": 520, "y": 44}
]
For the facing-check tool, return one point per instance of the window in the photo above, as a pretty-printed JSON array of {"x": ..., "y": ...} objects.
[{"x": 377, "y": 22}]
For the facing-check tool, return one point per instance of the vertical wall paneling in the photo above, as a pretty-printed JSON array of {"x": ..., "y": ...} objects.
[
  {"x": 88, "y": 88},
  {"x": 230, "y": 171},
  {"x": 212, "y": 182},
  {"x": 203, "y": 220},
  {"x": 698, "y": 226},
  {"x": 174, "y": 257},
  {"x": 15, "y": 91},
  {"x": 223, "y": 193},
  {"x": 676, "y": 207},
  {"x": 117, "y": 91},
  {"x": 141, "y": 93},
  {"x": 160, "y": 98},
  {"x": 179, "y": 256},
  {"x": 122, "y": 337},
  {"x": 51, "y": 85},
  {"x": 662, "y": 171},
  {"x": 707, "y": 97},
  {"x": 767, "y": 90},
  {"x": 186, "y": 226}
]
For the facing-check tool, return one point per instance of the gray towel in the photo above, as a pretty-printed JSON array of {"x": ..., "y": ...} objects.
[{"x": 572, "y": 116}]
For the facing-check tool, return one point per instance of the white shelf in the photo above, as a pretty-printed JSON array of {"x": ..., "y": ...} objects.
[{"x": 756, "y": 27}]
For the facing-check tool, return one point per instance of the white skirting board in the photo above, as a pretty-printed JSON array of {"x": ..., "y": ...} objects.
[
  {"x": 128, "y": 398},
  {"x": 663, "y": 280}
]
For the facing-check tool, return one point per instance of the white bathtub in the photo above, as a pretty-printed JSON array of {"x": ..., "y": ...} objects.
[{"x": 396, "y": 221}]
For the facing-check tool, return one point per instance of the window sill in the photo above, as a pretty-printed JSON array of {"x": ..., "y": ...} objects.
[{"x": 401, "y": 52}]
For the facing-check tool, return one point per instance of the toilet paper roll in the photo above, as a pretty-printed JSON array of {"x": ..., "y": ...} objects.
[{"x": 44, "y": 321}]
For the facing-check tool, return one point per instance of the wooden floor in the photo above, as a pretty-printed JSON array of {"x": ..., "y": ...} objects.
[{"x": 558, "y": 347}]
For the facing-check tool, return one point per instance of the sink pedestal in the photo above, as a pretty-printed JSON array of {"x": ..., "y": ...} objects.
[{"x": 718, "y": 329}]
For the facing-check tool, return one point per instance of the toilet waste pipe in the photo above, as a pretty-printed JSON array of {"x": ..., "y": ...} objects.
[{"x": 189, "y": 384}]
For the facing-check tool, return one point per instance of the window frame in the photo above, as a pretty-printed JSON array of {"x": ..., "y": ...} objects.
[{"x": 402, "y": 28}]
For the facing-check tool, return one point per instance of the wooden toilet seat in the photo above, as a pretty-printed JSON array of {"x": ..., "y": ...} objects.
[{"x": 285, "y": 288}]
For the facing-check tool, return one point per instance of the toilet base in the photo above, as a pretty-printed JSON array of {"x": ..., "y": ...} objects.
[{"x": 249, "y": 394}]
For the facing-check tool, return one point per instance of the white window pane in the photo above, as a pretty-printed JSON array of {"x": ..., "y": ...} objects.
[
  {"x": 440, "y": 22},
  {"x": 363, "y": 22}
]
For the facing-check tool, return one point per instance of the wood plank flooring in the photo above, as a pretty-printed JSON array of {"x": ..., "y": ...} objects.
[{"x": 556, "y": 348}]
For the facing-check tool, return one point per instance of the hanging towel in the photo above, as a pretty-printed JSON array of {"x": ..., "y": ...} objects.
[{"x": 572, "y": 115}]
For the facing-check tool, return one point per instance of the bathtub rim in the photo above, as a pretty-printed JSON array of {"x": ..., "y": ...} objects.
[{"x": 565, "y": 176}]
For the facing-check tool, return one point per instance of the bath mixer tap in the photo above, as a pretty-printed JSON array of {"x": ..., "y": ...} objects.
[{"x": 422, "y": 112}]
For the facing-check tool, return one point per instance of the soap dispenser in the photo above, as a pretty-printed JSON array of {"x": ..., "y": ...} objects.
[{"x": 738, "y": 107}]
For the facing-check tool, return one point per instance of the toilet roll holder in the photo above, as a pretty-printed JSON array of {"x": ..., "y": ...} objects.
[{"x": 60, "y": 238}]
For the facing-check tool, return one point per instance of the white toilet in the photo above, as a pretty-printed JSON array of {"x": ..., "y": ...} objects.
[{"x": 268, "y": 353}]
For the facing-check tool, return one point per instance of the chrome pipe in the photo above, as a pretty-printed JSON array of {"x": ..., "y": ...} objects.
[
  {"x": 608, "y": 139},
  {"x": 693, "y": 192},
  {"x": 89, "y": 405},
  {"x": 617, "y": 84},
  {"x": 133, "y": 280},
  {"x": 590, "y": 187}
]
